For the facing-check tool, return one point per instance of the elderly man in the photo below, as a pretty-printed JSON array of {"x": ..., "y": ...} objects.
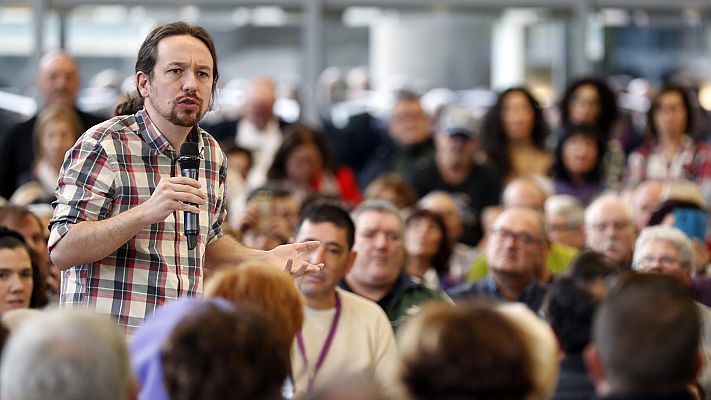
[
  {"x": 667, "y": 250},
  {"x": 645, "y": 199},
  {"x": 610, "y": 230},
  {"x": 377, "y": 273},
  {"x": 565, "y": 218},
  {"x": 515, "y": 252},
  {"x": 58, "y": 83},
  {"x": 528, "y": 192}
]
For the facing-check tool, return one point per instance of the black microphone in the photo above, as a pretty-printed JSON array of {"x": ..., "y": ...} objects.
[{"x": 189, "y": 161}]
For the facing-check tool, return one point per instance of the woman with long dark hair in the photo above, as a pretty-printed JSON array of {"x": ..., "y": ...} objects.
[{"x": 514, "y": 135}]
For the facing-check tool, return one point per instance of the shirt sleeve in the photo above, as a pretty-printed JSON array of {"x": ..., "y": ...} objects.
[
  {"x": 85, "y": 189},
  {"x": 216, "y": 228}
]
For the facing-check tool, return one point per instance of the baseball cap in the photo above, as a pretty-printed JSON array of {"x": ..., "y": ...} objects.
[{"x": 458, "y": 120}]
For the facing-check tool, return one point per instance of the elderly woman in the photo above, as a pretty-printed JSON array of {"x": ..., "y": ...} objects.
[{"x": 667, "y": 250}]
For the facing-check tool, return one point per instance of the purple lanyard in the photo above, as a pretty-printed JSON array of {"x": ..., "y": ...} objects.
[{"x": 326, "y": 345}]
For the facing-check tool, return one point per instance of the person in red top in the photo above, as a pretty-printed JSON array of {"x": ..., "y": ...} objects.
[{"x": 302, "y": 164}]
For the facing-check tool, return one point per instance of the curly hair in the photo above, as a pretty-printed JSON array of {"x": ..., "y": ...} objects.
[
  {"x": 495, "y": 142},
  {"x": 608, "y": 103}
]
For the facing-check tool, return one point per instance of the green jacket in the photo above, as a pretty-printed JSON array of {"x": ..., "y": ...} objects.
[{"x": 405, "y": 298}]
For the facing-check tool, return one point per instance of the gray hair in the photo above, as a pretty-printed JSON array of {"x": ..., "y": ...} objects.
[
  {"x": 608, "y": 197},
  {"x": 568, "y": 206},
  {"x": 379, "y": 206},
  {"x": 668, "y": 234},
  {"x": 66, "y": 355}
]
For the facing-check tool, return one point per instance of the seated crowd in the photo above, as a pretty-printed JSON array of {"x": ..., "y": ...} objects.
[{"x": 463, "y": 258}]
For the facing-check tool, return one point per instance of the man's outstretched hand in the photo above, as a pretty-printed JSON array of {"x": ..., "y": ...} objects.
[{"x": 294, "y": 258}]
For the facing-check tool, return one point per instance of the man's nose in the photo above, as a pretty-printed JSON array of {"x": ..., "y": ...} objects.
[
  {"x": 189, "y": 81},
  {"x": 316, "y": 256}
]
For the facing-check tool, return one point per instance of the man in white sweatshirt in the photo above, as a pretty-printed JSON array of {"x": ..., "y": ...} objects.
[{"x": 343, "y": 333}]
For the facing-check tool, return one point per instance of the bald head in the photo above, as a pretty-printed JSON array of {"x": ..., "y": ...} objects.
[
  {"x": 442, "y": 204},
  {"x": 524, "y": 192},
  {"x": 646, "y": 198},
  {"x": 609, "y": 228},
  {"x": 58, "y": 79},
  {"x": 518, "y": 243},
  {"x": 261, "y": 96}
]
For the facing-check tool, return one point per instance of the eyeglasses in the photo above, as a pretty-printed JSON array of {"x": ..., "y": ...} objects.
[
  {"x": 664, "y": 261},
  {"x": 616, "y": 225},
  {"x": 522, "y": 237}
]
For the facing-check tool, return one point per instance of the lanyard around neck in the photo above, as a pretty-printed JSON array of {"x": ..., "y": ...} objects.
[{"x": 324, "y": 350}]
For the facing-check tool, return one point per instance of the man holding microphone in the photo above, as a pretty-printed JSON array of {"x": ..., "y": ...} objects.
[{"x": 118, "y": 230}]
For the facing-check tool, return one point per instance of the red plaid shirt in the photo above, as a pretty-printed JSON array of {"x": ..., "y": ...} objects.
[{"x": 112, "y": 168}]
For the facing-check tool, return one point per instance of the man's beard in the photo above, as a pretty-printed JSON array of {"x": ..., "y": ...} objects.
[{"x": 187, "y": 120}]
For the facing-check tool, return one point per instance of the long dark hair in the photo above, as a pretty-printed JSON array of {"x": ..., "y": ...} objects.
[
  {"x": 597, "y": 174},
  {"x": 608, "y": 103},
  {"x": 690, "y": 117},
  {"x": 440, "y": 261},
  {"x": 495, "y": 142},
  {"x": 148, "y": 54},
  {"x": 295, "y": 136}
]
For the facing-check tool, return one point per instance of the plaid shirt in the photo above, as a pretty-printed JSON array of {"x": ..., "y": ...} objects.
[{"x": 112, "y": 168}]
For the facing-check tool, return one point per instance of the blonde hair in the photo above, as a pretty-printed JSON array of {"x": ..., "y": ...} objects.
[{"x": 50, "y": 116}]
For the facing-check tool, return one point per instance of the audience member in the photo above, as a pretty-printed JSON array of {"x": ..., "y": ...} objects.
[
  {"x": 147, "y": 343},
  {"x": 578, "y": 169},
  {"x": 565, "y": 220},
  {"x": 541, "y": 345},
  {"x": 514, "y": 135},
  {"x": 34, "y": 231},
  {"x": 264, "y": 288},
  {"x": 667, "y": 250},
  {"x": 645, "y": 342},
  {"x": 454, "y": 170},
  {"x": 569, "y": 308},
  {"x": 406, "y": 144},
  {"x": 377, "y": 273},
  {"x": 257, "y": 130},
  {"x": 56, "y": 130},
  {"x": 590, "y": 101},
  {"x": 302, "y": 164},
  {"x": 22, "y": 284},
  {"x": 427, "y": 248},
  {"x": 609, "y": 229},
  {"x": 342, "y": 334},
  {"x": 471, "y": 351},
  {"x": 516, "y": 253},
  {"x": 58, "y": 83},
  {"x": 529, "y": 192},
  {"x": 645, "y": 199},
  {"x": 67, "y": 355},
  {"x": 394, "y": 188},
  {"x": 463, "y": 255},
  {"x": 669, "y": 151},
  {"x": 218, "y": 353}
]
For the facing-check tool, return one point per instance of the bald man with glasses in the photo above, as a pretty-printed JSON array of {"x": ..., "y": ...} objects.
[{"x": 516, "y": 250}]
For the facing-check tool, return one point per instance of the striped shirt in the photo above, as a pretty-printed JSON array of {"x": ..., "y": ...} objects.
[{"x": 112, "y": 168}]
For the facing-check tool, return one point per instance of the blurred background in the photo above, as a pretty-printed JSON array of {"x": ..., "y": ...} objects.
[{"x": 320, "y": 51}]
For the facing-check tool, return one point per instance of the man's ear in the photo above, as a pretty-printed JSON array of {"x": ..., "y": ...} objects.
[
  {"x": 594, "y": 365},
  {"x": 700, "y": 364},
  {"x": 142, "y": 82},
  {"x": 351, "y": 261}
]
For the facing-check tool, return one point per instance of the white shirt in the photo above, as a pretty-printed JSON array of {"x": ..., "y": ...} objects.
[{"x": 363, "y": 343}]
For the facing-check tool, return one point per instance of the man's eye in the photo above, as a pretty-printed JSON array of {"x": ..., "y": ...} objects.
[{"x": 174, "y": 70}]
